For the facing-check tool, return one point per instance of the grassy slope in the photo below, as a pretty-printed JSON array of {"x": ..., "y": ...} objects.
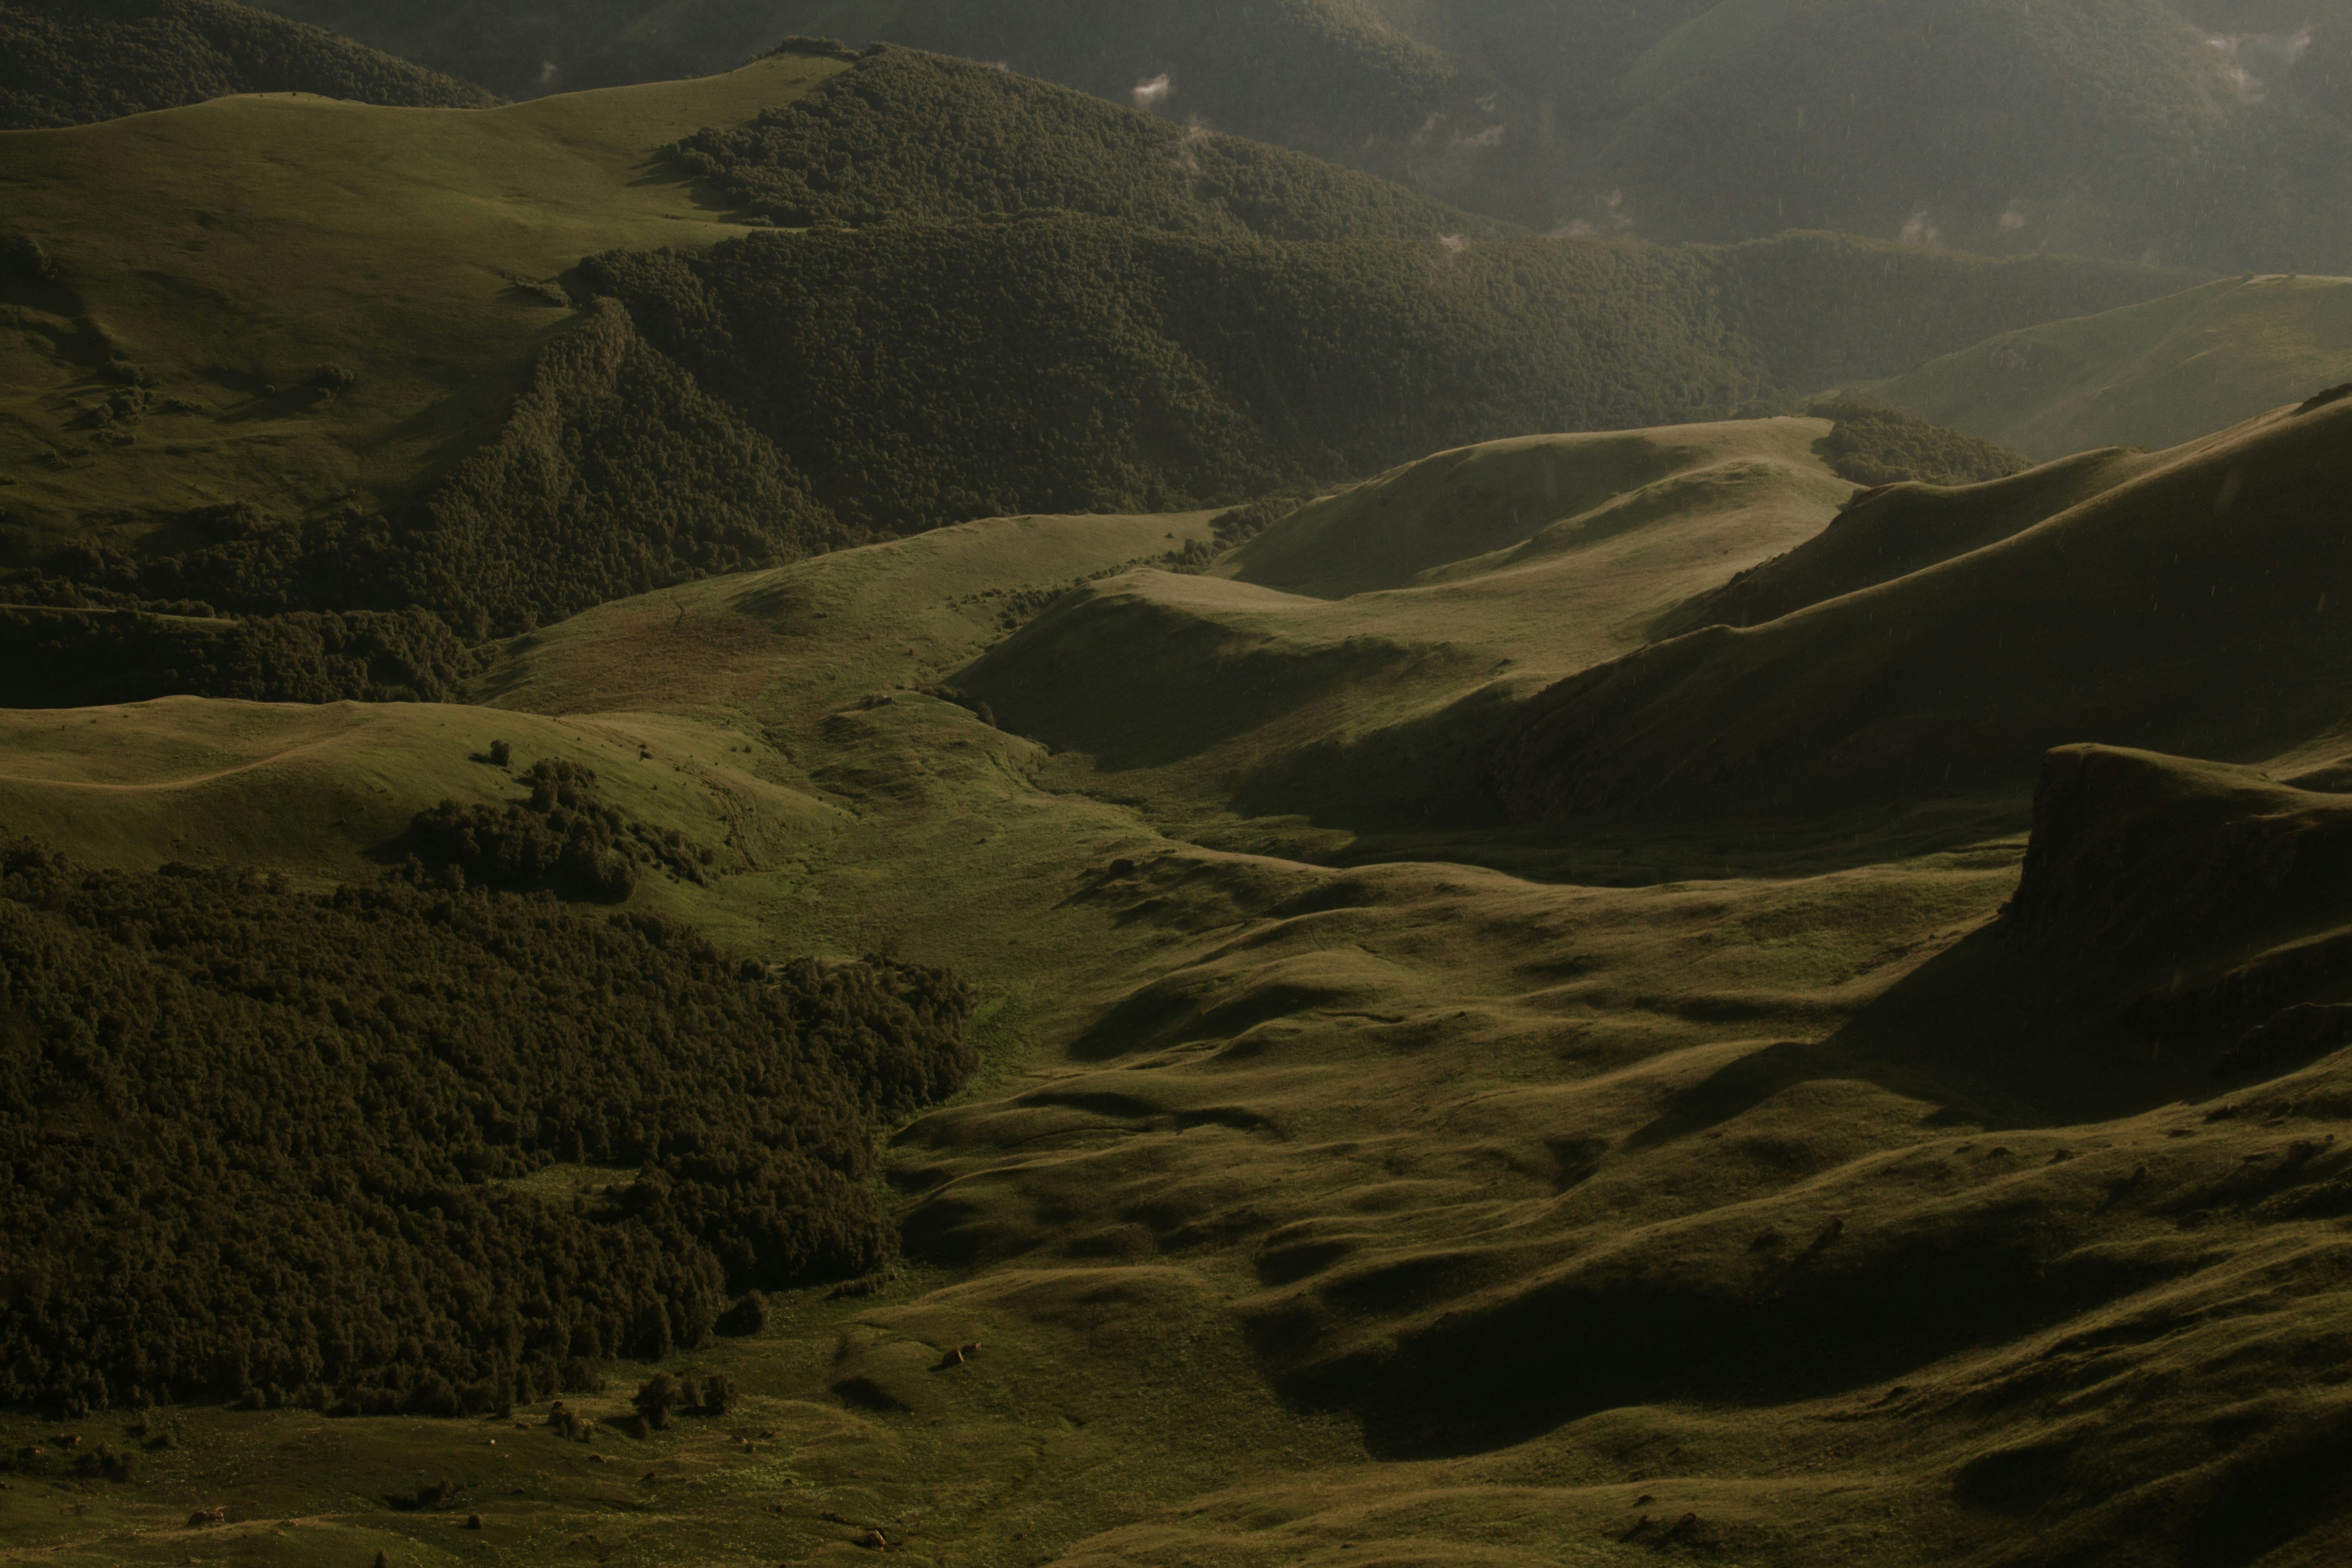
[
  {"x": 1331, "y": 669},
  {"x": 2153, "y": 375},
  {"x": 2192, "y": 607},
  {"x": 1352, "y": 1131},
  {"x": 301, "y": 231}
]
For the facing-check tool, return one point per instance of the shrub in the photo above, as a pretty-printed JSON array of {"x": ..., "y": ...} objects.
[
  {"x": 656, "y": 1398},
  {"x": 747, "y": 1316},
  {"x": 1875, "y": 446}
]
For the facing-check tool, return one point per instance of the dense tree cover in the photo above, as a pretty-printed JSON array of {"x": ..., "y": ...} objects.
[
  {"x": 1875, "y": 446},
  {"x": 613, "y": 474},
  {"x": 75, "y": 657},
  {"x": 267, "y": 1142},
  {"x": 617, "y": 472},
  {"x": 903, "y": 134},
  {"x": 919, "y": 374},
  {"x": 69, "y": 62},
  {"x": 788, "y": 393},
  {"x": 562, "y": 839}
]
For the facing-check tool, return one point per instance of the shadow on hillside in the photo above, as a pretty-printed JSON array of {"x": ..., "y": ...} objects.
[
  {"x": 1986, "y": 1035},
  {"x": 1981, "y": 1033}
]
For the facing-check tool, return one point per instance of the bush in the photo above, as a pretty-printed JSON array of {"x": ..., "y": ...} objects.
[
  {"x": 656, "y": 1398},
  {"x": 561, "y": 839},
  {"x": 75, "y": 658},
  {"x": 748, "y": 1316},
  {"x": 1875, "y": 446}
]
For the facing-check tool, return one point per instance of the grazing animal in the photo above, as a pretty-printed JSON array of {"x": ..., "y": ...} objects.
[
  {"x": 875, "y": 1540},
  {"x": 216, "y": 1514}
]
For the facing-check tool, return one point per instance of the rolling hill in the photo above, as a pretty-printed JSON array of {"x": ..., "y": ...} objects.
[
  {"x": 2088, "y": 606},
  {"x": 69, "y": 64}
]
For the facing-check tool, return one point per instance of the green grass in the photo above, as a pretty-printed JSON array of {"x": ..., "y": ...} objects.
[{"x": 2155, "y": 375}]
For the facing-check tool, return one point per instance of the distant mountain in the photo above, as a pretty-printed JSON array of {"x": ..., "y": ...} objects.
[
  {"x": 70, "y": 62},
  {"x": 2152, "y": 375},
  {"x": 2196, "y": 132}
]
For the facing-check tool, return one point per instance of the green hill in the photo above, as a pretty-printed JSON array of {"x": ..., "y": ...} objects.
[
  {"x": 69, "y": 62},
  {"x": 2153, "y": 374}
]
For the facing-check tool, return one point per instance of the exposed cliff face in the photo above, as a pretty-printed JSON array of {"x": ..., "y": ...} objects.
[{"x": 2216, "y": 901}]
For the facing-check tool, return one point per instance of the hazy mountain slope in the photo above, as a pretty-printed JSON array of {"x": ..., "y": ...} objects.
[
  {"x": 69, "y": 62},
  {"x": 2108, "y": 128},
  {"x": 2195, "y": 607},
  {"x": 2153, "y": 375},
  {"x": 2203, "y": 135}
]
